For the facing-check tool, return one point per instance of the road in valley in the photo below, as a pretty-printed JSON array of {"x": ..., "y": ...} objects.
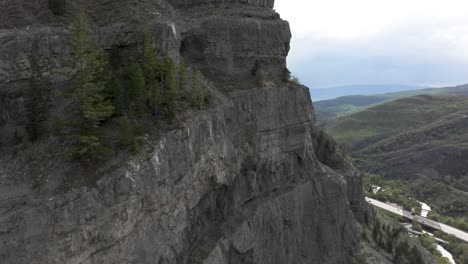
[{"x": 422, "y": 220}]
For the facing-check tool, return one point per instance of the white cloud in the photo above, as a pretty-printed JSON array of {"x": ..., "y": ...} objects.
[
  {"x": 357, "y": 18},
  {"x": 408, "y": 41}
]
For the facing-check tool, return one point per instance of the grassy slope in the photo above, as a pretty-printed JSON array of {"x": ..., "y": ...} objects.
[
  {"x": 422, "y": 138},
  {"x": 407, "y": 115},
  {"x": 329, "y": 109}
]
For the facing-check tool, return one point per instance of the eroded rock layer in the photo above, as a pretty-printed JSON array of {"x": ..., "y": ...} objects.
[{"x": 240, "y": 183}]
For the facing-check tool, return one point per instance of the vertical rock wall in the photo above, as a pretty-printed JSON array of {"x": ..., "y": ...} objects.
[{"x": 239, "y": 184}]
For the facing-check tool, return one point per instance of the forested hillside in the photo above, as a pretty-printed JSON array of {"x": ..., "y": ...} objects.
[{"x": 421, "y": 139}]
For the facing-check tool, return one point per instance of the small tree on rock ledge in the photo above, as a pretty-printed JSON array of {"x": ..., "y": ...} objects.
[{"x": 88, "y": 93}]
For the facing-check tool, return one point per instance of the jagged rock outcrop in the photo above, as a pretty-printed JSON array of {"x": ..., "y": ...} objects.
[
  {"x": 225, "y": 41},
  {"x": 239, "y": 183}
]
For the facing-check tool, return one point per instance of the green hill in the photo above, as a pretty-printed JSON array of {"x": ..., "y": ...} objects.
[
  {"x": 423, "y": 139},
  {"x": 330, "y": 109},
  {"x": 361, "y": 89}
]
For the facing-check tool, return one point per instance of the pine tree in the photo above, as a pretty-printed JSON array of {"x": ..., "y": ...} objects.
[
  {"x": 198, "y": 91},
  {"x": 415, "y": 256},
  {"x": 154, "y": 96},
  {"x": 194, "y": 90},
  {"x": 182, "y": 75},
  {"x": 88, "y": 92},
  {"x": 401, "y": 252},
  {"x": 389, "y": 244},
  {"x": 37, "y": 101},
  {"x": 118, "y": 92},
  {"x": 172, "y": 90},
  {"x": 137, "y": 89},
  {"x": 149, "y": 58},
  {"x": 127, "y": 134},
  {"x": 119, "y": 95},
  {"x": 151, "y": 69},
  {"x": 376, "y": 230},
  {"x": 285, "y": 75}
]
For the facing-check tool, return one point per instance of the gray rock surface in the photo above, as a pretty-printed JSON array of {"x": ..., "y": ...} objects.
[
  {"x": 240, "y": 183},
  {"x": 224, "y": 41}
]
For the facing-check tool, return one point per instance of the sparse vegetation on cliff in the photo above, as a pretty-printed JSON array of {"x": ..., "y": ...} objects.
[
  {"x": 127, "y": 134},
  {"x": 457, "y": 248},
  {"x": 37, "y": 102},
  {"x": 171, "y": 91},
  {"x": 91, "y": 106},
  {"x": 136, "y": 89},
  {"x": 152, "y": 71},
  {"x": 391, "y": 239},
  {"x": 149, "y": 89},
  {"x": 198, "y": 97},
  {"x": 285, "y": 75}
]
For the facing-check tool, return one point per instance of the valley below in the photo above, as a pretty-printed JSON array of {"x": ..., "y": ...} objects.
[{"x": 412, "y": 146}]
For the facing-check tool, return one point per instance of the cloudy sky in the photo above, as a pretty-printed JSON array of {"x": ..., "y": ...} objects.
[{"x": 343, "y": 42}]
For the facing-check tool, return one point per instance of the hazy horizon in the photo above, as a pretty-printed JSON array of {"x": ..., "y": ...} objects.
[
  {"x": 365, "y": 42},
  {"x": 388, "y": 84}
]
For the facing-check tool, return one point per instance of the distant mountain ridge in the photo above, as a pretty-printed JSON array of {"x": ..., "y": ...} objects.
[
  {"x": 329, "y": 109},
  {"x": 365, "y": 89}
]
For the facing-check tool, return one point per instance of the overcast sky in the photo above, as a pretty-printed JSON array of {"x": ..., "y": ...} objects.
[{"x": 342, "y": 42}]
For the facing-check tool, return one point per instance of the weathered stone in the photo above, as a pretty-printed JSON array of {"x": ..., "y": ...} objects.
[{"x": 240, "y": 183}]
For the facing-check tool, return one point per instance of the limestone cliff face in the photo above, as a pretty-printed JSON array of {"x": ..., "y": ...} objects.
[
  {"x": 239, "y": 183},
  {"x": 224, "y": 39}
]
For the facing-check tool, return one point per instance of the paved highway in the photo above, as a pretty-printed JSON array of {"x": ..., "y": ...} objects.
[{"x": 422, "y": 220}]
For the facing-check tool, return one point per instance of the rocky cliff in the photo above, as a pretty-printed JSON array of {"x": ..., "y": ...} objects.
[{"x": 237, "y": 183}]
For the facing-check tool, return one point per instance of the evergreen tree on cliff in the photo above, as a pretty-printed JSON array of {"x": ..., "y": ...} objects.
[
  {"x": 88, "y": 92},
  {"x": 198, "y": 91},
  {"x": 37, "y": 101},
  {"x": 118, "y": 91},
  {"x": 127, "y": 137},
  {"x": 151, "y": 69},
  {"x": 182, "y": 76},
  {"x": 137, "y": 89},
  {"x": 172, "y": 89}
]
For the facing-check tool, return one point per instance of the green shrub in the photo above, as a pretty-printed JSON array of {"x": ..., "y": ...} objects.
[
  {"x": 295, "y": 80},
  {"x": 88, "y": 93},
  {"x": 198, "y": 97},
  {"x": 127, "y": 137},
  {"x": 285, "y": 75},
  {"x": 416, "y": 226},
  {"x": 137, "y": 89}
]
